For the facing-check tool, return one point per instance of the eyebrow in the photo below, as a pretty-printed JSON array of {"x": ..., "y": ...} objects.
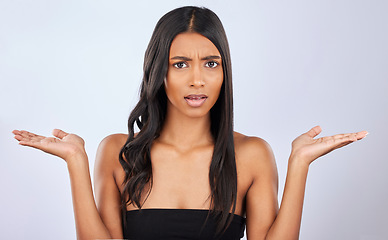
[{"x": 189, "y": 59}]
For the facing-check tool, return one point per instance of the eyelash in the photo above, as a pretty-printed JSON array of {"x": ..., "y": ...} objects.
[
  {"x": 214, "y": 62},
  {"x": 176, "y": 64}
]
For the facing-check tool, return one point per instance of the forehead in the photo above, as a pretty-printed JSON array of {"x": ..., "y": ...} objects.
[{"x": 190, "y": 44}]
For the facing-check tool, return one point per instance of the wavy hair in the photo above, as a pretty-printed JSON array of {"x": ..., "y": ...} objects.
[{"x": 150, "y": 112}]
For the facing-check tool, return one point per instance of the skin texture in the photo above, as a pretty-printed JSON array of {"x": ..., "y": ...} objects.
[
  {"x": 195, "y": 67},
  {"x": 181, "y": 157}
]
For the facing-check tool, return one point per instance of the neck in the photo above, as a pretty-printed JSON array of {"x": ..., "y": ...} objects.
[{"x": 186, "y": 132}]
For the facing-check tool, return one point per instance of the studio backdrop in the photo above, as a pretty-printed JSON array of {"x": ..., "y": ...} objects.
[{"x": 77, "y": 65}]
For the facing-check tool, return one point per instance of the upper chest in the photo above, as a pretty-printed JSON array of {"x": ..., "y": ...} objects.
[
  {"x": 184, "y": 169},
  {"x": 180, "y": 178}
]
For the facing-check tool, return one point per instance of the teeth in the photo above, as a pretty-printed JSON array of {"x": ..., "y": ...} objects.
[{"x": 195, "y": 98}]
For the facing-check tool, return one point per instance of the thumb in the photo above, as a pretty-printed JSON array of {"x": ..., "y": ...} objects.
[
  {"x": 59, "y": 133},
  {"x": 313, "y": 132}
]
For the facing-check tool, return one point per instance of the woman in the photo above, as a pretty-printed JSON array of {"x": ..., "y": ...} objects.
[{"x": 186, "y": 158}]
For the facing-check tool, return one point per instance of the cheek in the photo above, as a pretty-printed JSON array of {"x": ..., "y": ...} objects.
[
  {"x": 171, "y": 81},
  {"x": 218, "y": 81},
  {"x": 219, "y": 88},
  {"x": 173, "y": 89}
]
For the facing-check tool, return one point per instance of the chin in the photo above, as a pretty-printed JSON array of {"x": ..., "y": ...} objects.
[{"x": 197, "y": 113}]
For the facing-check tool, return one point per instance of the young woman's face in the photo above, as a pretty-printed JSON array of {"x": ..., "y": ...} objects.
[{"x": 194, "y": 76}]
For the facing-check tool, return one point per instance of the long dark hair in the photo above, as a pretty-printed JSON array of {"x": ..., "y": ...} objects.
[{"x": 150, "y": 113}]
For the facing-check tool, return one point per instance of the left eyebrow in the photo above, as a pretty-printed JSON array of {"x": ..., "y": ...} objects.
[
  {"x": 211, "y": 57},
  {"x": 189, "y": 59}
]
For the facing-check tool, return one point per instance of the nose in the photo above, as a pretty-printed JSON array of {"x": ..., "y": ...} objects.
[{"x": 197, "y": 78}]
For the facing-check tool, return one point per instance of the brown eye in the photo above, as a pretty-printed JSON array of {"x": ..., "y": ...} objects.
[
  {"x": 180, "y": 65},
  {"x": 211, "y": 64}
]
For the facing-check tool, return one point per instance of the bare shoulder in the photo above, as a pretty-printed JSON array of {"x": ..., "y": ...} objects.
[
  {"x": 113, "y": 142},
  {"x": 108, "y": 151},
  {"x": 107, "y": 182},
  {"x": 253, "y": 154},
  {"x": 249, "y": 146}
]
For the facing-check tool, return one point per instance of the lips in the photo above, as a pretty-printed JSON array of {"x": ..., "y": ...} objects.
[
  {"x": 195, "y": 96},
  {"x": 195, "y": 100}
]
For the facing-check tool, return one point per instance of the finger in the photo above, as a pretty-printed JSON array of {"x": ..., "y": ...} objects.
[
  {"x": 16, "y": 132},
  {"x": 30, "y": 135},
  {"x": 342, "y": 144},
  {"x": 341, "y": 140},
  {"x": 314, "y": 131},
  {"x": 34, "y": 144},
  {"x": 361, "y": 135},
  {"x": 346, "y": 136},
  {"x": 19, "y": 135},
  {"x": 34, "y": 140},
  {"x": 356, "y": 136},
  {"x": 59, "y": 133},
  {"x": 26, "y": 136}
]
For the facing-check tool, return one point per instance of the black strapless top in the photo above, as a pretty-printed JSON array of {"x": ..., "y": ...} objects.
[{"x": 178, "y": 224}]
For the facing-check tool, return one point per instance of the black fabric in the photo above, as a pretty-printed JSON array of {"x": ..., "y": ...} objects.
[{"x": 178, "y": 224}]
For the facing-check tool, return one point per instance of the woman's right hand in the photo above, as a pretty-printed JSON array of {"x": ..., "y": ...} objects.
[{"x": 64, "y": 145}]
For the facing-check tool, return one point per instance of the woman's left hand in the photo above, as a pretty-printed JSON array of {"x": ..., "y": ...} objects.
[{"x": 307, "y": 149}]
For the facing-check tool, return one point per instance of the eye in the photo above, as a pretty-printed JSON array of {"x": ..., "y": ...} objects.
[
  {"x": 211, "y": 64},
  {"x": 180, "y": 65}
]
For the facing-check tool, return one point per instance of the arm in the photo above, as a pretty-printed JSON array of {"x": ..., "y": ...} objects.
[
  {"x": 88, "y": 222},
  {"x": 107, "y": 192},
  {"x": 286, "y": 224},
  {"x": 70, "y": 147},
  {"x": 262, "y": 196}
]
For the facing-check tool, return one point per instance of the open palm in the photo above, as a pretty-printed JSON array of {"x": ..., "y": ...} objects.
[
  {"x": 308, "y": 148},
  {"x": 63, "y": 145}
]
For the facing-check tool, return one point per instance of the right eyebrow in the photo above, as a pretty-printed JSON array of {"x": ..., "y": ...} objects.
[
  {"x": 181, "y": 58},
  {"x": 189, "y": 59}
]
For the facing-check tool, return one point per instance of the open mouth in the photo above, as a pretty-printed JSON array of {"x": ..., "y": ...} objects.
[{"x": 195, "y": 100}]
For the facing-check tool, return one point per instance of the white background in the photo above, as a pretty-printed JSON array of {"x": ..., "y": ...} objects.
[{"x": 77, "y": 65}]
